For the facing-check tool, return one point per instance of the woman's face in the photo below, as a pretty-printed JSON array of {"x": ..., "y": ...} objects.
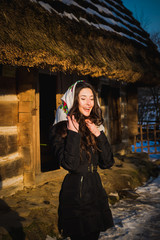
[{"x": 86, "y": 101}]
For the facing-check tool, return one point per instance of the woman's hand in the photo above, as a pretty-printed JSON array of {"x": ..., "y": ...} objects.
[
  {"x": 92, "y": 127},
  {"x": 72, "y": 124}
]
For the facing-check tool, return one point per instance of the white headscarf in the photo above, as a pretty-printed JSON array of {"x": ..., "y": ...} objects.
[{"x": 67, "y": 103}]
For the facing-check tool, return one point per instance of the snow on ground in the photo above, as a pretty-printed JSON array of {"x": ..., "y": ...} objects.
[{"x": 137, "y": 219}]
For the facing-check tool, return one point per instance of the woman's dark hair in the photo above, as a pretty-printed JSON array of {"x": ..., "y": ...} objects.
[{"x": 88, "y": 140}]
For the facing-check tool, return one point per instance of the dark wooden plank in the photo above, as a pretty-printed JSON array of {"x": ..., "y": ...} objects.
[
  {"x": 7, "y": 86},
  {"x": 3, "y": 145},
  {"x": 12, "y": 144},
  {"x": 8, "y": 144},
  {"x": 11, "y": 169}
]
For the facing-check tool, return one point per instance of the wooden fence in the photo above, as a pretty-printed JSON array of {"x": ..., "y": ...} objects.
[{"x": 149, "y": 138}]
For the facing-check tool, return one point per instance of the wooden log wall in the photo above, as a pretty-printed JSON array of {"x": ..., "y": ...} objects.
[
  {"x": 19, "y": 129},
  {"x": 11, "y": 162}
]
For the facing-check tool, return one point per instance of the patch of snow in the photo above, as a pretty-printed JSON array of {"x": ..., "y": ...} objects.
[
  {"x": 107, "y": 11},
  {"x": 89, "y": 23},
  {"x": 151, "y": 187},
  {"x": 117, "y": 4},
  {"x": 108, "y": 28},
  {"x": 112, "y": 21},
  {"x": 71, "y": 2},
  {"x": 115, "y": 9},
  {"x": 46, "y": 6},
  {"x": 127, "y": 36},
  {"x": 70, "y": 16},
  {"x": 105, "y": 27}
]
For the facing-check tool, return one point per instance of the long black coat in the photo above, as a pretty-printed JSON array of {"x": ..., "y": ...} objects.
[{"x": 83, "y": 202}]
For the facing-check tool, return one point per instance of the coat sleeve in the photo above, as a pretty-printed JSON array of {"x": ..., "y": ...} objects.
[
  {"x": 106, "y": 159},
  {"x": 67, "y": 150}
]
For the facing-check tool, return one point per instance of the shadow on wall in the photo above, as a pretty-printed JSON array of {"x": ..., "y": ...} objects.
[{"x": 10, "y": 221}]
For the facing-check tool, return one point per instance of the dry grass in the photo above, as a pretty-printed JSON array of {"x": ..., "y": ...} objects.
[{"x": 129, "y": 172}]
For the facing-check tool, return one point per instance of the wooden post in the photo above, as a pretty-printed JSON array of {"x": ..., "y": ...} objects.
[
  {"x": 135, "y": 147},
  {"x": 28, "y": 123},
  {"x": 155, "y": 139},
  {"x": 141, "y": 134},
  {"x": 147, "y": 126},
  {"x": 36, "y": 131}
]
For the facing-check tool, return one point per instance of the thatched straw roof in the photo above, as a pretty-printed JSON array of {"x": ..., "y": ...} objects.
[{"x": 95, "y": 37}]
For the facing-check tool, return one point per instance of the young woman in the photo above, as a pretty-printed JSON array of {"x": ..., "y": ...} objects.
[{"x": 80, "y": 145}]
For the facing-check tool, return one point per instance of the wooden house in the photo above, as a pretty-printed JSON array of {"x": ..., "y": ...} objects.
[{"x": 45, "y": 46}]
